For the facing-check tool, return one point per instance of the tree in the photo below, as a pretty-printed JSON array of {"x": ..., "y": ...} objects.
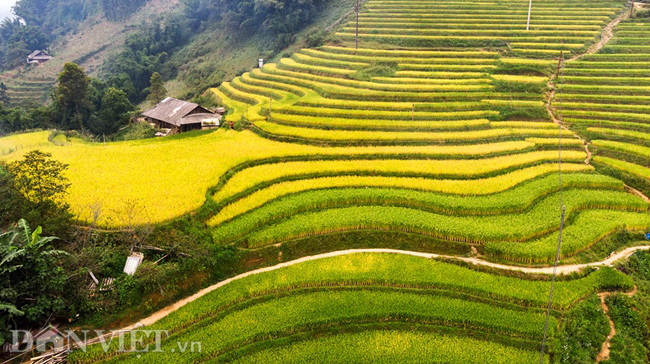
[
  {"x": 157, "y": 88},
  {"x": 4, "y": 98},
  {"x": 39, "y": 178},
  {"x": 115, "y": 111},
  {"x": 72, "y": 92},
  {"x": 31, "y": 281},
  {"x": 41, "y": 185}
]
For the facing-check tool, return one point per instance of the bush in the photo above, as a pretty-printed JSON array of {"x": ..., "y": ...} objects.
[
  {"x": 376, "y": 69},
  {"x": 315, "y": 39},
  {"x": 582, "y": 333}
]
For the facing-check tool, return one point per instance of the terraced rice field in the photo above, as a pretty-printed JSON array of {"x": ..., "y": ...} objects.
[
  {"x": 433, "y": 134},
  {"x": 555, "y": 25},
  {"x": 607, "y": 99},
  {"x": 464, "y": 75},
  {"x": 448, "y": 143},
  {"x": 332, "y": 306}
]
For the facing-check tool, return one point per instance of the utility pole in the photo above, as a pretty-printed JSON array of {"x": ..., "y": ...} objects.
[
  {"x": 562, "y": 209},
  {"x": 530, "y": 7},
  {"x": 357, "y": 8}
]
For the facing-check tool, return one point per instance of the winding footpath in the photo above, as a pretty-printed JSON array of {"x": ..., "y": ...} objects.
[
  {"x": 604, "y": 351},
  {"x": 566, "y": 269},
  {"x": 605, "y": 36}
]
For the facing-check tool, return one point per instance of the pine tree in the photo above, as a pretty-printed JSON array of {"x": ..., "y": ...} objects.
[{"x": 157, "y": 88}]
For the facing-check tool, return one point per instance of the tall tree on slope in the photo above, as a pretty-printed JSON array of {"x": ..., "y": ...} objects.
[{"x": 157, "y": 89}]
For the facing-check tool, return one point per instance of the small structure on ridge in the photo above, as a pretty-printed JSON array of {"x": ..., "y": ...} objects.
[
  {"x": 37, "y": 57},
  {"x": 181, "y": 116}
]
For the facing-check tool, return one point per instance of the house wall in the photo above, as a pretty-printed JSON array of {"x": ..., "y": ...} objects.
[
  {"x": 188, "y": 127},
  {"x": 160, "y": 124}
]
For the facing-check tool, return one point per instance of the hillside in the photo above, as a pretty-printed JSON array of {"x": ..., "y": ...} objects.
[
  {"x": 94, "y": 41},
  {"x": 212, "y": 54},
  {"x": 398, "y": 201}
]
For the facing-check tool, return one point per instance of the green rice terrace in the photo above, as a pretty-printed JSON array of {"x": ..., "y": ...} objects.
[{"x": 439, "y": 134}]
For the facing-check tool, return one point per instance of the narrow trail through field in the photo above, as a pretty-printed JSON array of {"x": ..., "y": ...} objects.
[
  {"x": 558, "y": 122},
  {"x": 623, "y": 254},
  {"x": 637, "y": 192},
  {"x": 604, "y": 350},
  {"x": 605, "y": 35}
]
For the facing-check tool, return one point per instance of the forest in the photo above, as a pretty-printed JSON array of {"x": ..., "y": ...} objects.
[{"x": 42, "y": 21}]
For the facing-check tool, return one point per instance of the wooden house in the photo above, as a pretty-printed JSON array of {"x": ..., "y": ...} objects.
[
  {"x": 37, "y": 57},
  {"x": 181, "y": 116}
]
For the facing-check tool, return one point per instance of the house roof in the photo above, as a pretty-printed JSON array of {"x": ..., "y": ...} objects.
[
  {"x": 173, "y": 111},
  {"x": 34, "y": 53},
  {"x": 38, "y": 54},
  {"x": 42, "y": 56}
]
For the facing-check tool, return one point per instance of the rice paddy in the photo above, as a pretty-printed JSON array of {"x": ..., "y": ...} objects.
[{"x": 435, "y": 131}]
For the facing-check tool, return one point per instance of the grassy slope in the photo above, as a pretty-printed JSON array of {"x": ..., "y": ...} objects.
[
  {"x": 397, "y": 288},
  {"x": 95, "y": 40},
  {"x": 217, "y": 54}
]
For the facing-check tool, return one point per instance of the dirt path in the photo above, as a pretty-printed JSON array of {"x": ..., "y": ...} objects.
[
  {"x": 604, "y": 350},
  {"x": 637, "y": 192},
  {"x": 549, "y": 109},
  {"x": 542, "y": 270},
  {"x": 605, "y": 35}
]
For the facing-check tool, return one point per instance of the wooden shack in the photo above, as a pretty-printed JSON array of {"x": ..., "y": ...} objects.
[{"x": 181, "y": 116}]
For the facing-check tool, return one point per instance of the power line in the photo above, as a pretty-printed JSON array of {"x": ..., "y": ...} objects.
[{"x": 559, "y": 239}]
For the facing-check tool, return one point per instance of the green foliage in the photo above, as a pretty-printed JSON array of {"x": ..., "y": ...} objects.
[
  {"x": 40, "y": 185},
  {"x": 629, "y": 345},
  {"x": 207, "y": 99},
  {"x": 39, "y": 178},
  {"x": 631, "y": 315},
  {"x": 79, "y": 103},
  {"x": 370, "y": 287},
  {"x": 157, "y": 91},
  {"x": 501, "y": 85},
  {"x": 314, "y": 39},
  {"x": 583, "y": 331},
  {"x": 144, "y": 53},
  {"x": 4, "y": 98},
  {"x": 397, "y": 346},
  {"x": 377, "y": 69},
  {"x": 116, "y": 10},
  {"x": 31, "y": 282},
  {"x": 135, "y": 131},
  {"x": 472, "y": 229},
  {"x": 282, "y": 19},
  {"x": 72, "y": 93},
  {"x": 514, "y": 200},
  {"x": 17, "y": 40},
  {"x": 114, "y": 114}
]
